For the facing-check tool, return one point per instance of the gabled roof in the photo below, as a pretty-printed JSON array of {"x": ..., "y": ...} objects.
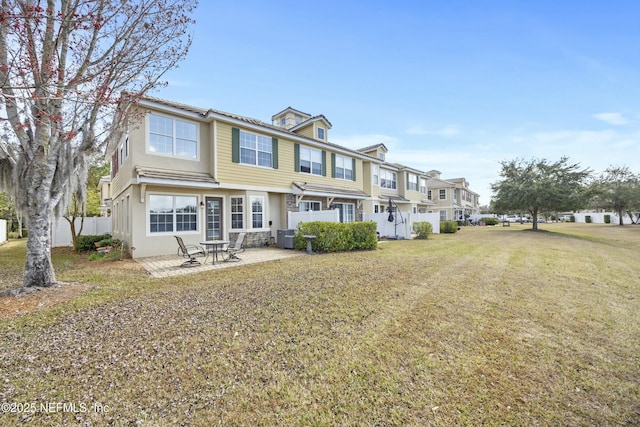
[
  {"x": 290, "y": 109},
  {"x": 310, "y": 120},
  {"x": 374, "y": 147}
]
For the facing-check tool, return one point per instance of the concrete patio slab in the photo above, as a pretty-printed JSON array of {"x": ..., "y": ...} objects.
[{"x": 169, "y": 265}]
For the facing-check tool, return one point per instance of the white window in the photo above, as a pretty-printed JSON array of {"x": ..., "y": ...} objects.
[
  {"x": 310, "y": 161},
  {"x": 443, "y": 215},
  {"x": 376, "y": 172},
  {"x": 321, "y": 133},
  {"x": 168, "y": 214},
  {"x": 412, "y": 182},
  {"x": 443, "y": 194},
  {"x": 257, "y": 212},
  {"x": 381, "y": 156},
  {"x": 388, "y": 179},
  {"x": 346, "y": 211},
  {"x": 256, "y": 149},
  {"x": 237, "y": 212},
  {"x": 309, "y": 206},
  {"x": 423, "y": 186},
  {"x": 172, "y": 137},
  {"x": 344, "y": 167}
]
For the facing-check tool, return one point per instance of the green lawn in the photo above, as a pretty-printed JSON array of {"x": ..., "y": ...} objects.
[{"x": 489, "y": 326}]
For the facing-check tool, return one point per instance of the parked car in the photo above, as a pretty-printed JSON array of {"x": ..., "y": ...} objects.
[
  {"x": 564, "y": 218},
  {"x": 513, "y": 218}
]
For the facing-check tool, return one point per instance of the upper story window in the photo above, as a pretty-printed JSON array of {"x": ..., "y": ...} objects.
[
  {"x": 343, "y": 167},
  {"x": 412, "y": 182},
  {"x": 310, "y": 161},
  {"x": 443, "y": 194},
  {"x": 376, "y": 173},
  {"x": 173, "y": 137},
  {"x": 255, "y": 149},
  {"x": 381, "y": 156},
  {"x": 388, "y": 179},
  {"x": 321, "y": 133},
  {"x": 429, "y": 195},
  {"x": 423, "y": 186}
]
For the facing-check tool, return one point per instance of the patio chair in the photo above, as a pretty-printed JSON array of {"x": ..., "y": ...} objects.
[
  {"x": 190, "y": 252},
  {"x": 230, "y": 252}
]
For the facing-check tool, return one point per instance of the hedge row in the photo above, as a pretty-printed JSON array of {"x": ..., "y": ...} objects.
[
  {"x": 448, "y": 226},
  {"x": 337, "y": 236},
  {"x": 422, "y": 229},
  {"x": 87, "y": 243}
]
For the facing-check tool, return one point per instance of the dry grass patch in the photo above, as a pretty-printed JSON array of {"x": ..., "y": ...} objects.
[{"x": 488, "y": 326}]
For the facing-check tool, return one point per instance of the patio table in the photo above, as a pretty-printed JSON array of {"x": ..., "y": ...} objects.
[{"x": 216, "y": 246}]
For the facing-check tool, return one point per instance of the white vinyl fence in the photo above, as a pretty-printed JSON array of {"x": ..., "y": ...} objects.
[
  {"x": 3, "y": 230},
  {"x": 93, "y": 225},
  {"x": 400, "y": 228},
  {"x": 598, "y": 217},
  {"x": 402, "y": 225}
]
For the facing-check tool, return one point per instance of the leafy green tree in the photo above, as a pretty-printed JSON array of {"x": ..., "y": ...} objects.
[
  {"x": 538, "y": 185},
  {"x": 618, "y": 189}
]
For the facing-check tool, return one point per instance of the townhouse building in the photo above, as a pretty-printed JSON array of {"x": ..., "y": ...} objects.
[
  {"x": 452, "y": 198},
  {"x": 206, "y": 174}
]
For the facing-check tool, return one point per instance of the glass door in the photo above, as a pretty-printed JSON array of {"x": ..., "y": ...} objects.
[{"x": 214, "y": 218}]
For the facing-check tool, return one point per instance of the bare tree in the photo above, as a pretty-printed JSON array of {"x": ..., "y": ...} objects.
[{"x": 67, "y": 71}]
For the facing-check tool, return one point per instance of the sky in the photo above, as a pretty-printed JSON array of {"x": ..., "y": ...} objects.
[{"x": 456, "y": 86}]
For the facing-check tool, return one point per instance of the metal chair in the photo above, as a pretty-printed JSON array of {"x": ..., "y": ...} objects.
[
  {"x": 230, "y": 252},
  {"x": 190, "y": 252}
]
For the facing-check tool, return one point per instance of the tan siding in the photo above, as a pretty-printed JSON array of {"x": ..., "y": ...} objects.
[
  {"x": 306, "y": 131},
  {"x": 240, "y": 174}
]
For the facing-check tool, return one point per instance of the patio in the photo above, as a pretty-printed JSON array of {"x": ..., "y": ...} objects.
[{"x": 169, "y": 265}]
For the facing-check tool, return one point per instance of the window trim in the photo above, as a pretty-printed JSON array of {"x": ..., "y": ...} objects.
[
  {"x": 302, "y": 149},
  {"x": 173, "y": 143},
  {"x": 263, "y": 213},
  {"x": 310, "y": 202},
  {"x": 150, "y": 233},
  {"x": 232, "y": 213},
  {"x": 442, "y": 194},
  {"x": 383, "y": 173}
]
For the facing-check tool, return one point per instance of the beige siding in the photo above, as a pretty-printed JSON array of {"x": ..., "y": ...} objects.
[
  {"x": 306, "y": 131},
  {"x": 230, "y": 173}
]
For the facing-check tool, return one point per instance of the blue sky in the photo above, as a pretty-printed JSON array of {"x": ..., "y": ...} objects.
[{"x": 456, "y": 86}]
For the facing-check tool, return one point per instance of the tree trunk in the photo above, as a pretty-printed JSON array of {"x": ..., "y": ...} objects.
[
  {"x": 620, "y": 214},
  {"x": 38, "y": 270}
]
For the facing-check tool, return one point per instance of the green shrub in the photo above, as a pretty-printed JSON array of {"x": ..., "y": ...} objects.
[
  {"x": 489, "y": 220},
  {"x": 422, "y": 229},
  {"x": 86, "y": 243},
  {"x": 448, "y": 226},
  {"x": 336, "y": 236},
  {"x": 587, "y": 219},
  {"x": 572, "y": 218},
  {"x": 607, "y": 219}
]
